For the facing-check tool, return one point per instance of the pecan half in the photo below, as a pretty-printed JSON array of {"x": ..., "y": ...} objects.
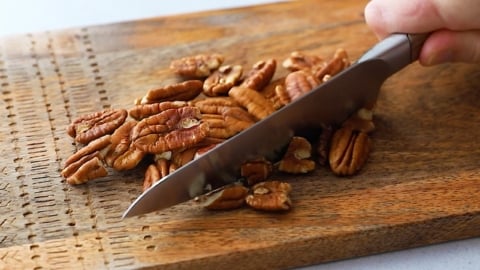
[
  {"x": 296, "y": 159},
  {"x": 225, "y": 198},
  {"x": 122, "y": 154},
  {"x": 120, "y": 142},
  {"x": 211, "y": 104},
  {"x": 220, "y": 81},
  {"x": 92, "y": 168},
  {"x": 260, "y": 75},
  {"x": 270, "y": 196},
  {"x": 96, "y": 145},
  {"x": 198, "y": 66},
  {"x": 89, "y": 127},
  {"x": 155, "y": 172},
  {"x": 299, "y": 82},
  {"x": 349, "y": 151},
  {"x": 339, "y": 62},
  {"x": 141, "y": 111},
  {"x": 255, "y": 103},
  {"x": 169, "y": 130},
  {"x": 228, "y": 121},
  {"x": 302, "y": 61},
  {"x": 87, "y": 163},
  {"x": 182, "y": 91}
]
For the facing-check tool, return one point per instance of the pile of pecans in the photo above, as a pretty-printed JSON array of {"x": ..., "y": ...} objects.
[{"x": 174, "y": 124}]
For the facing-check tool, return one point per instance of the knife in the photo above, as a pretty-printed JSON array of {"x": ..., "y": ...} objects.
[{"x": 331, "y": 102}]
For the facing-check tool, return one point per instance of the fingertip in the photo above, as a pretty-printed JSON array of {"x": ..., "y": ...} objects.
[
  {"x": 449, "y": 46},
  {"x": 374, "y": 17}
]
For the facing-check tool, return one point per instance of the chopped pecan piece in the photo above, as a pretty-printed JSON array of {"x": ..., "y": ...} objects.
[
  {"x": 276, "y": 93},
  {"x": 299, "y": 82},
  {"x": 89, "y": 127},
  {"x": 323, "y": 144},
  {"x": 204, "y": 149},
  {"x": 256, "y": 171},
  {"x": 270, "y": 196},
  {"x": 339, "y": 62},
  {"x": 141, "y": 111},
  {"x": 282, "y": 97},
  {"x": 255, "y": 103},
  {"x": 198, "y": 66},
  {"x": 261, "y": 74},
  {"x": 170, "y": 130},
  {"x": 302, "y": 61},
  {"x": 182, "y": 157},
  {"x": 296, "y": 159},
  {"x": 361, "y": 121},
  {"x": 349, "y": 151},
  {"x": 182, "y": 91},
  {"x": 224, "y": 198},
  {"x": 220, "y": 81}
]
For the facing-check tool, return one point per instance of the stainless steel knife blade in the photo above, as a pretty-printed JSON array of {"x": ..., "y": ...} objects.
[{"x": 330, "y": 103}]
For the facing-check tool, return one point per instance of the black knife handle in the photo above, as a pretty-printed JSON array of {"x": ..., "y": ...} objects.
[
  {"x": 397, "y": 51},
  {"x": 416, "y": 44}
]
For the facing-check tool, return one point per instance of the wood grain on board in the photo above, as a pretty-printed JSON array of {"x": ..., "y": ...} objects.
[{"x": 420, "y": 186}]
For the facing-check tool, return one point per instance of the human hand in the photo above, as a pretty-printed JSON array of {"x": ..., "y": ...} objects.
[{"x": 455, "y": 26}]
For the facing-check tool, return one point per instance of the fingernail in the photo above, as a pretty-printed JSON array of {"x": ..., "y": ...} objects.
[{"x": 440, "y": 57}]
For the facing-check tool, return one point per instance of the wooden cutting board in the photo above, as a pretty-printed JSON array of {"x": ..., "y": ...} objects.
[{"x": 421, "y": 184}]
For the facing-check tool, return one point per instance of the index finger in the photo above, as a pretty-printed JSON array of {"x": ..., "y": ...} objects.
[{"x": 419, "y": 16}]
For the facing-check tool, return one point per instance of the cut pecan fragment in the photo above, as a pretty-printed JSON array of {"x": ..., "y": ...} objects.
[
  {"x": 255, "y": 103},
  {"x": 220, "y": 81},
  {"x": 296, "y": 159},
  {"x": 270, "y": 196},
  {"x": 89, "y": 127},
  {"x": 224, "y": 198},
  {"x": 276, "y": 93},
  {"x": 260, "y": 75},
  {"x": 323, "y": 144},
  {"x": 256, "y": 171},
  {"x": 170, "y": 130},
  {"x": 198, "y": 66},
  {"x": 361, "y": 121}
]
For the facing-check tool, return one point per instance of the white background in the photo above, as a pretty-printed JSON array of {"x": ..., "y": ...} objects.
[{"x": 26, "y": 16}]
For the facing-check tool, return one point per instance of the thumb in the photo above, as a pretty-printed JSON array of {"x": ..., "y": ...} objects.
[{"x": 451, "y": 46}]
